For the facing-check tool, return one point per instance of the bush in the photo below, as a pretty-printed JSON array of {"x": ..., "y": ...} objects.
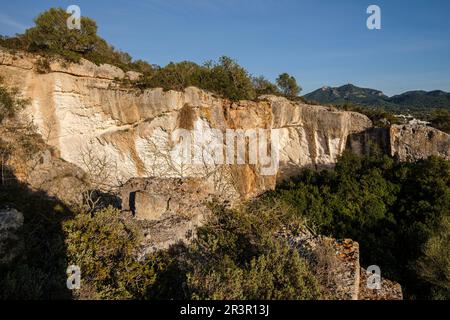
[
  {"x": 434, "y": 266},
  {"x": 103, "y": 245},
  {"x": 10, "y": 103},
  {"x": 238, "y": 257},
  {"x": 264, "y": 86},
  {"x": 379, "y": 203},
  {"x": 224, "y": 77},
  {"x": 235, "y": 256},
  {"x": 174, "y": 76},
  {"x": 440, "y": 119},
  {"x": 229, "y": 79}
]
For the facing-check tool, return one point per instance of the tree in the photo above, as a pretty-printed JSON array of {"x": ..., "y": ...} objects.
[
  {"x": 434, "y": 266},
  {"x": 10, "y": 103},
  {"x": 51, "y": 38},
  {"x": 264, "y": 86},
  {"x": 229, "y": 79},
  {"x": 51, "y": 34},
  {"x": 440, "y": 119},
  {"x": 288, "y": 85}
]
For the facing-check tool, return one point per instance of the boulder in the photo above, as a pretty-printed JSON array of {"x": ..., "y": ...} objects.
[
  {"x": 150, "y": 206},
  {"x": 412, "y": 142},
  {"x": 169, "y": 210}
]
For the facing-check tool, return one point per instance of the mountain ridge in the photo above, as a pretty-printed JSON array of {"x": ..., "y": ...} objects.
[{"x": 349, "y": 93}]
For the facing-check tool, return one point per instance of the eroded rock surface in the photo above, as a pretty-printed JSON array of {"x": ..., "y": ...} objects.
[
  {"x": 414, "y": 141},
  {"x": 170, "y": 210},
  {"x": 337, "y": 266},
  {"x": 81, "y": 107}
]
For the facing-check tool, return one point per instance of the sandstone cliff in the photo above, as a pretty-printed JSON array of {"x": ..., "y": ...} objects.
[
  {"x": 82, "y": 110},
  {"x": 82, "y": 107}
]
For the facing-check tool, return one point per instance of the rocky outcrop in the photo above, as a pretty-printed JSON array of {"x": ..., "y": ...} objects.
[
  {"x": 82, "y": 107},
  {"x": 413, "y": 142},
  {"x": 11, "y": 243},
  {"x": 336, "y": 264},
  {"x": 388, "y": 290},
  {"x": 58, "y": 178},
  {"x": 170, "y": 210},
  {"x": 34, "y": 163},
  {"x": 367, "y": 141}
]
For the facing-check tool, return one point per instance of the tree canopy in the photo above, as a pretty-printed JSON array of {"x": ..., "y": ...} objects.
[
  {"x": 51, "y": 38},
  {"x": 288, "y": 85}
]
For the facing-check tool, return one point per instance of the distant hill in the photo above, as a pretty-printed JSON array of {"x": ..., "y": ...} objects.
[
  {"x": 423, "y": 99},
  {"x": 412, "y": 100}
]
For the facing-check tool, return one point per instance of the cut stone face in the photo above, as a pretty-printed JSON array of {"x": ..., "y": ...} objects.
[{"x": 149, "y": 206}]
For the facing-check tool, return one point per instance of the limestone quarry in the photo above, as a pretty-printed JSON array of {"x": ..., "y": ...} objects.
[{"x": 83, "y": 109}]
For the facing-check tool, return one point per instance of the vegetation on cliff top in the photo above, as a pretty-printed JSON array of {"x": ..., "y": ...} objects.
[
  {"x": 51, "y": 38},
  {"x": 399, "y": 212}
]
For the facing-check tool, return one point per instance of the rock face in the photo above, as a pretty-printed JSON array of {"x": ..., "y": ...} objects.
[
  {"x": 41, "y": 169},
  {"x": 413, "y": 142},
  {"x": 11, "y": 221},
  {"x": 337, "y": 266},
  {"x": 150, "y": 206},
  {"x": 170, "y": 210},
  {"x": 81, "y": 107}
]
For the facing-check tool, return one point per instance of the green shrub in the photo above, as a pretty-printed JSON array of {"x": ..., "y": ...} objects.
[
  {"x": 104, "y": 246},
  {"x": 434, "y": 265},
  {"x": 174, "y": 76},
  {"x": 440, "y": 119},
  {"x": 236, "y": 256},
  {"x": 10, "y": 103},
  {"x": 264, "y": 86},
  {"x": 229, "y": 79},
  {"x": 379, "y": 203},
  {"x": 224, "y": 77}
]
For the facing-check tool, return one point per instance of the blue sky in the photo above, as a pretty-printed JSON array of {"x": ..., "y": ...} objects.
[{"x": 320, "y": 42}]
